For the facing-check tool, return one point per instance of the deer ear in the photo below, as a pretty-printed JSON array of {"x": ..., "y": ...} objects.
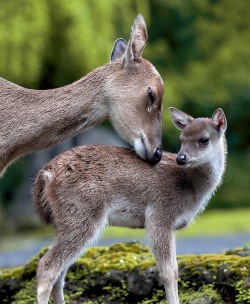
[
  {"x": 179, "y": 118},
  {"x": 219, "y": 120},
  {"x": 137, "y": 41},
  {"x": 118, "y": 49}
]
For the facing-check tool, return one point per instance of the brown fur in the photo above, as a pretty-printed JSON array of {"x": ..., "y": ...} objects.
[
  {"x": 83, "y": 190},
  {"x": 32, "y": 120}
]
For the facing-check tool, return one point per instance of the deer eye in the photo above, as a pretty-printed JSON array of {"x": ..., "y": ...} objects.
[
  {"x": 204, "y": 141},
  {"x": 151, "y": 95}
]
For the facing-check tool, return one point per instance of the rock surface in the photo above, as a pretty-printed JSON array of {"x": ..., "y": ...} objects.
[{"x": 126, "y": 273}]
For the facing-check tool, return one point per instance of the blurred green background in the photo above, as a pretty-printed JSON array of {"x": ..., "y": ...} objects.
[{"x": 201, "y": 49}]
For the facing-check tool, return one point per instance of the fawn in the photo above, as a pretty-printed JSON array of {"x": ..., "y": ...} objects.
[
  {"x": 87, "y": 188},
  {"x": 128, "y": 91}
]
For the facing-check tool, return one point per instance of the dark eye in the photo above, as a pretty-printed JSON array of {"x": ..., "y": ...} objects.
[
  {"x": 151, "y": 95},
  {"x": 204, "y": 141}
]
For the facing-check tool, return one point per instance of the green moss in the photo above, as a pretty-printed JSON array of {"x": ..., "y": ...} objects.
[
  {"x": 119, "y": 257},
  {"x": 187, "y": 296},
  {"x": 158, "y": 296},
  {"x": 215, "y": 267},
  {"x": 243, "y": 290},
  {"x": 27, "y": 294},
  {"x": 12, "y": 273},
  {"x": 205, "y": 292},
  {"x": 107, "y": 275}
]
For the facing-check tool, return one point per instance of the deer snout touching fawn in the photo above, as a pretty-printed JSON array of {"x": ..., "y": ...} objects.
[
  {"x": 87, "y": 188},
  {"x": 128, "y": 91}
]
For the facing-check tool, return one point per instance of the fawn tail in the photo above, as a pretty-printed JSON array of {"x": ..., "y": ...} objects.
[{"x": 41, "y": 205}]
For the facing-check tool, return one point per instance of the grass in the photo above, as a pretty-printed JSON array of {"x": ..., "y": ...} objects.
[
  {"x": 220, "y": 223},
  {"x": 210, "y": 223}
]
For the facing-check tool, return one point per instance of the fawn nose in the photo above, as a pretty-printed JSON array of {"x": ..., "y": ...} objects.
[
  {"x": 156, "y": 156},
  {"x": 181, "y": 159}
]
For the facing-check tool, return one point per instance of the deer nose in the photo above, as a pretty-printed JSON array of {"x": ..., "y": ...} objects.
[
  {"x": 156, "y": 157},
  {"x": 181, "y": 159}
]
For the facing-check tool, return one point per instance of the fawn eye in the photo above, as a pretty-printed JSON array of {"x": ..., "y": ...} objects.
[
  {"x": 151, "y": 95},
  {"x": 204, "y": 141}
]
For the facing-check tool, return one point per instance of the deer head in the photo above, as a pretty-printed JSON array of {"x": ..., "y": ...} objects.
[{"x": 136, "y": 114}]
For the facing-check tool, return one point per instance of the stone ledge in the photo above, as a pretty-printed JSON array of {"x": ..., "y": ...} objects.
[{"x": 127, "y": 273}]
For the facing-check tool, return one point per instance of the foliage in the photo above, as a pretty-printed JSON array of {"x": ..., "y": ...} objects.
[
  {"x": 131, "y": 276},
  {"x": 51, "y": 43},
  {"x": 12, "y": 179},
  {"x": 201, "y": 49},
  {"x": 24, "y": 26},
  {"x": 206, "y": 65}
]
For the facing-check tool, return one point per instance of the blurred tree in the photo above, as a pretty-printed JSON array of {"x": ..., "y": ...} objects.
[
  {"x": 24, "y": 26},
  {"x": 207, "y": 64},
  {"x": 50, "y": 43},
  {"x": 201, "y": 48}
]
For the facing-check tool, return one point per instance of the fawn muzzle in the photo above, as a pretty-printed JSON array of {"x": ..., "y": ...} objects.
[{"x": 181, "y": 159}]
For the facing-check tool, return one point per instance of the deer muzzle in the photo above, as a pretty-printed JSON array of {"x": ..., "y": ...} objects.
[
  {"x": 152, "y": 154},
  {"x": 156, "y": 156}
]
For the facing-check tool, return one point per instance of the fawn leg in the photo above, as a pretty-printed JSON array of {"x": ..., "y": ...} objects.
[
  {"x": 68, "y": 246},
  {"x": 57, "y": 290},
  {"x": 162, "y": 242},
  {"x": 48, "y": 271}
]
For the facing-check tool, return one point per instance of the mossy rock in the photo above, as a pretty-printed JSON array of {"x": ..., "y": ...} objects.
[{"x": 127, "y": 273}]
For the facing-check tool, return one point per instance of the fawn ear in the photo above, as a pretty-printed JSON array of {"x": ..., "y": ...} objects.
[
  {"x": 118, "y": 49},
  {"x": 179, "y": 118},
  {"x": 219, "y": 120},
  {"x": 137, "y": 41}
]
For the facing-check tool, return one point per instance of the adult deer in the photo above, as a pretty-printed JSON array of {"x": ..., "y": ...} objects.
[
  {"x": 83, "y": 190},
  {"x": 128, "y": 91}
]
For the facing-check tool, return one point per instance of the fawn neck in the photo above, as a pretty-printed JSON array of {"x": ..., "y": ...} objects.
[
  {"x": 198, "y": 184},
  {"x": 208, "y": 175}
]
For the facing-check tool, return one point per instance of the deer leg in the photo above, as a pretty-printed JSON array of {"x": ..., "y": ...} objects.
[
  {"x": 162, "y": 242},
  {"x": 57, "y": 290},
  {"x": 69, "y": 244}
]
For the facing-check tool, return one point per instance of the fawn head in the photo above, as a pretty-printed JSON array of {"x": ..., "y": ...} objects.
[
  {"x": 135, "y": 93},
  {"x": 201, "y": 138}
]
